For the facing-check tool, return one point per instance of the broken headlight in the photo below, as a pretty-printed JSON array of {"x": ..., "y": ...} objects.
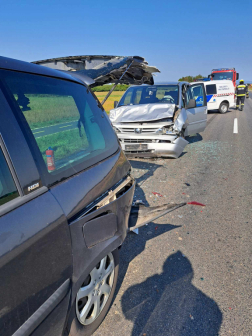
[
  {"x": 116, "y": 129},
  {"x": 163, "y": 130}
]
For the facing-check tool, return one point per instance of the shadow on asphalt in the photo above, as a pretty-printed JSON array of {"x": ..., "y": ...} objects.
[
  {"x": 166, "y": 303},
  {"x": 194, "y": 138},
  {"x": 169, "y": 304}
]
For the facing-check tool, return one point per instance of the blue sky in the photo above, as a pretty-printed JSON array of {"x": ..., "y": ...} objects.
[{"x": 179, "y": 37}]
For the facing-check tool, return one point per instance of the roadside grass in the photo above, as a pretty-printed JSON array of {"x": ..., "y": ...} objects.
[
  {"x": 47, "y": 110},
  {"x": 109, "y": 104},
  {"x": 64, "y": 143}
]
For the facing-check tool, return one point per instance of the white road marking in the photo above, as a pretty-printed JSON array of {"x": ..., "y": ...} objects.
[
  {"x": 38, "y": 132},
  {"x": 235, "y": 125},
  {"x": 65, "y": 126}
]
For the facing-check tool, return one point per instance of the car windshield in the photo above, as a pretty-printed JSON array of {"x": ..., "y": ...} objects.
[
  {"x": 223, "y": 75},
  {"x": 63, "y": 119},
  {"x": 154, "y": 94}
]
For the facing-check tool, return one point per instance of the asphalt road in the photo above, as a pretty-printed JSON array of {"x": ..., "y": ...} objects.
[
  {"x": 42, "y": 131},
  {"x": 189, "y": 273}
]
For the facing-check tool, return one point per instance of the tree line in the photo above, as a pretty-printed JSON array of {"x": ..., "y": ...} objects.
[{"x": 190, "y": 78}]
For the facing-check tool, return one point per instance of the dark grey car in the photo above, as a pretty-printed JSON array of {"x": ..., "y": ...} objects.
[{"x": 65, "y": 201}]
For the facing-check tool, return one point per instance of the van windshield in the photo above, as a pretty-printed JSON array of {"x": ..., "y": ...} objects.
[
  {"x": 223, "y": 75},
  {"x": 154, "y": 94},
  {"x": 63, "y": 121}
]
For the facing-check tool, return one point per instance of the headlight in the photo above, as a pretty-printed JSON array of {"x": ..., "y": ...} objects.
[
  {"x": 116, "y": 129},
  {"x": 163, "y": 130}
]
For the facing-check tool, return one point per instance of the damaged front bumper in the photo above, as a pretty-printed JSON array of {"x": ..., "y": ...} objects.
[{"x": 142, "y": 145}]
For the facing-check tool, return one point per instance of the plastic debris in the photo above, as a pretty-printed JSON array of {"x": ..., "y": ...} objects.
[
  {"x": 156, "y": 227},
  {"x": 196, "y": 203},
  {"x": 136, "y": 202},
  {"x": 201, "y": 279},
  {"x": 180, "y": 238},
  {"x": 187, "y": 184},
  {"x": 156, "y": 194},
  {"x": 191, "y": 317},
  {"x": 180, "y": 216}
]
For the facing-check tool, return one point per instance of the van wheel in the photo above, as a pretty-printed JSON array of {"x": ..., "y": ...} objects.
[
  {"x": 223, "y": 108},
  {"x": 95, "y": 295}
]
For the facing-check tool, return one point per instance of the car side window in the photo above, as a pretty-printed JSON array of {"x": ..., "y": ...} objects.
[
  {"x": 8, "y": 190},
  {"x": 211, "y": 89},
  {"x": 196, "y": 92}
]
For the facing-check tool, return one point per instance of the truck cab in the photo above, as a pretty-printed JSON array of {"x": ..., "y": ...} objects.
[{"x": 225, "y": 74}]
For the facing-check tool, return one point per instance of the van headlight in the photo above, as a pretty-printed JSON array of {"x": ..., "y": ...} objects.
[
  {"x": 163, "y": 130},
  {"x": 116, "y": 129}
]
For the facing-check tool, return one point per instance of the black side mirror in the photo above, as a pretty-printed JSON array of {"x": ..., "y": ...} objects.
[
  {"x": 115, "y": 104},
  {"x": 209, "y": 76},
  {"x": 237, "y": 76},
  {"x": 191, "y": 104}
]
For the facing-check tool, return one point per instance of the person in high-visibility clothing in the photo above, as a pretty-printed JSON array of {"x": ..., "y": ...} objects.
[{"x": 240, "y": 92}]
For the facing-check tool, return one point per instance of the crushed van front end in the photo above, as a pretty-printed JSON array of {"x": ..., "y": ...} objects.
[{"x": 150, "y": 140}]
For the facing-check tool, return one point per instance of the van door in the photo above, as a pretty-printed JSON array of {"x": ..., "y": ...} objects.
[
  {"x": 211, "y": 94},
  {"x": 197, "y": 116}
]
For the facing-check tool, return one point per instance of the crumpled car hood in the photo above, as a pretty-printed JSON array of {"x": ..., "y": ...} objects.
[
  {"x": 142, "y": 113},
  {"x": 104, "y": 69}
]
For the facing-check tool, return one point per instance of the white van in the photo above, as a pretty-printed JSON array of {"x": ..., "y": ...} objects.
[{"x": 220, "y": 95}]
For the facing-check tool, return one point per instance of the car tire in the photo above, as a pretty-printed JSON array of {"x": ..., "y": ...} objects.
[
  {"x": 223, "y": 108},
  {"x": 86, "y": 326}
]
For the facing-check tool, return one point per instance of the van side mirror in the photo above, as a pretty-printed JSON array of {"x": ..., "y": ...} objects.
[
  {"x": 191, "y": 104},
  {"x": 209, "y": 76},
  {"x": 237, "y": 76},
  {"x": 115, "y": 104}
]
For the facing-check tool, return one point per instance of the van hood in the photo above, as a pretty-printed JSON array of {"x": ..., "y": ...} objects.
[
  {"x": 103, "y": 69},
  {"x": 142, "y": 113}
]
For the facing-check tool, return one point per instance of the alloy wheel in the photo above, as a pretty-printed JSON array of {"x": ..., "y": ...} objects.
[{"x": 95, "y": 291}]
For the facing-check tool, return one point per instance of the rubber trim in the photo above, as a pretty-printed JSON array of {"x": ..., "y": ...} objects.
[{"x": 33, "y": 322}]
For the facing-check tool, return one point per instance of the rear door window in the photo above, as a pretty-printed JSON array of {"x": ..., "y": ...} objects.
[
  {"x": 211, "y": 89},
  {"x": 70, "y": 130},
  {"x": 8, "y": 190}
]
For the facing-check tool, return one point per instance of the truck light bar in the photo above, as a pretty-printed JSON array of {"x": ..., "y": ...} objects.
[{"x": 225, "y": 69}]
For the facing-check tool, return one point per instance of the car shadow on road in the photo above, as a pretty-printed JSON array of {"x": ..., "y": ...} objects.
[
  {"x": 149, "y": 168},
  {"x": 169, "y": 304},
  {"x": 194, "y": 138}
]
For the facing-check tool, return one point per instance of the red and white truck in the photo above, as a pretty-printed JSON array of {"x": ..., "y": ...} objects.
[{"x": 226, "y": 74}]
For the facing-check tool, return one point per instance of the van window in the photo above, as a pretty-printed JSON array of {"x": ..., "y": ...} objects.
[
  {"x": 196, "y": 92},
  {"x": 70, "y": 130},
  {"x": 211, "y": 89},
  {"x": 8, "y": 190}
]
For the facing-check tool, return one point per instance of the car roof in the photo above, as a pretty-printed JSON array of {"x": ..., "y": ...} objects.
[
  {"x": 171, "y": 83},
  {"x": 16, "y": 65},
  {"x": 162, "y": 83}
]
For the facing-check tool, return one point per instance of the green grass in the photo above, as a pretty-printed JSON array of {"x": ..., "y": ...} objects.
[
  {"x": 47, "y": 110},
  {"x": 64, "y": 143}
]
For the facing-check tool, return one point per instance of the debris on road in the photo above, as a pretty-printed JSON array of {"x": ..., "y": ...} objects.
[
  {"x": 196, "y": 203},
  {"x": 156, "y": 194}
]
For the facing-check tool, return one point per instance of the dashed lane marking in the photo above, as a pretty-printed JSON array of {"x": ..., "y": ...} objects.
[
  {"x": 235, "y": 125},
  {"x": 65, "y": 126},
  {"x": 38, "y": 132}
]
